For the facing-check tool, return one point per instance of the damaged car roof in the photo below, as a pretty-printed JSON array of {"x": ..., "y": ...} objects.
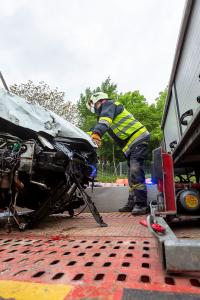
[{"x": 21, "y": 112}]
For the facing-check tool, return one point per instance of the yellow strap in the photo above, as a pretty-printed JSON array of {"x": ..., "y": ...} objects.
[
  {"x": 109, "y": 120},
  {"x": 131, "y": 189},
  {"x": 137, "y": 134}
]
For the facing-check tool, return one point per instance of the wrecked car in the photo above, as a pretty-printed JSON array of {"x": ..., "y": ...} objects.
[{"x": 45, "y": 163}]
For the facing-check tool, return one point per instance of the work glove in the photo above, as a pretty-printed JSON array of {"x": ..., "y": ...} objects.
[{"x": 96, "y": 139}]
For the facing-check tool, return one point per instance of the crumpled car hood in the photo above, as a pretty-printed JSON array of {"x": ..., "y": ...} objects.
[{"x": 33, "y": 116}]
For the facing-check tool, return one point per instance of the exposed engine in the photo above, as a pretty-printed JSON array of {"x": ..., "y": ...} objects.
[
  {"x": 45, "y": 163},
  {"x": 45, "y": 176}
]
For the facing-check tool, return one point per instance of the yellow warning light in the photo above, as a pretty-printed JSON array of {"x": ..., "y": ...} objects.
[{"x": 191, "y": 201}]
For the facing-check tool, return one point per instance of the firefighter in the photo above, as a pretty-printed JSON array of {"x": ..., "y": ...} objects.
[{"x": 133, "y": 139}]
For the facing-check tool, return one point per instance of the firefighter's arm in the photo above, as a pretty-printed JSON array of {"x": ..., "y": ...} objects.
[{"x": 105, "y": 118}]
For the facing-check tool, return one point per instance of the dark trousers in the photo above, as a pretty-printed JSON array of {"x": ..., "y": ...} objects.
[{"x": 136, "y": 175}]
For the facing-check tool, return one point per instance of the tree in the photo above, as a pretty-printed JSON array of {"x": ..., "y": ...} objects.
[
  {"x": 155, "y": 117},
  {"x": 160, "y": 102},
  {"x": 51, "y": 99}
]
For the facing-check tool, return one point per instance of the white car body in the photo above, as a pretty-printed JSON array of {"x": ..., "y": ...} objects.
[{"x": 19, "y": 111}]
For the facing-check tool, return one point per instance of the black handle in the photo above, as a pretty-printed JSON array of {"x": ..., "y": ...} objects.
[
  {"x": 184, "y": 115},
  {"x": 4, "y": 83},
  {"x": 173, "y": 144}
]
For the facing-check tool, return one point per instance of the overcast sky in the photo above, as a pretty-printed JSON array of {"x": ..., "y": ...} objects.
[{"x": 74, "y": 44}]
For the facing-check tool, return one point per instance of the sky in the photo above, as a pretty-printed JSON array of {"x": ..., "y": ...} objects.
[{"x": 75, "y": 44}]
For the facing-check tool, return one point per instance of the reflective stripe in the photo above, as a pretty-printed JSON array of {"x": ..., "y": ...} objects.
[
  {"x": 139, "y": 186},
  {"x": 126, "y": 128},
  {"x": 129, "y": 125},
  {"x": 116, "y": 131},
  {"x": 104, "y": 122},
  {"x": 121, "y": 121},
  {"x": 107, "y": 119},
  {"x": 133, "y": 137}
]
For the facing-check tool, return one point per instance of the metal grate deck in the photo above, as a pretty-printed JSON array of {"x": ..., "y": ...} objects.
[
  {"x": 108, "y": 264},
  {"x": 97, "y": 267}
]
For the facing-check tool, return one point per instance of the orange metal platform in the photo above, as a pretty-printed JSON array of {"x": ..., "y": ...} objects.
[{"x": 96, "y": 263}]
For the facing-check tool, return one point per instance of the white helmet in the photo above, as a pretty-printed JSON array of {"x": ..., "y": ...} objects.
[{"x": 94, "y": 99}]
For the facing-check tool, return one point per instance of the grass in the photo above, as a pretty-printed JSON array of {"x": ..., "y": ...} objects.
[
  {"x": 108, "y": 178},
  {"x": 112, "y": 178}
]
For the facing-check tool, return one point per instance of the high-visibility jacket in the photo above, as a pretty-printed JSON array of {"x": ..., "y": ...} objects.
[{"x": 120, "y": 124}]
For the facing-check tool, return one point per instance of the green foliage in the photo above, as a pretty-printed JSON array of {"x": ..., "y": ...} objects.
[
  {"x": 109, "y": 178},
  {"x": 155, "y": 114},
  {"x": 149, "y": 115},
  {"x": 137, "y": 105}
]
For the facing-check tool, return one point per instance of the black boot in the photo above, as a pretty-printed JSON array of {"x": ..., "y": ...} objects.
[
  {"x": 128, "y": 206},
  {"x": 140, "y": 209}
]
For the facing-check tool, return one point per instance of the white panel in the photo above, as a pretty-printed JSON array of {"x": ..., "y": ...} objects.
[
  {"x": 187, "y": 77},
  {"x": 171, "y": 129}
]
